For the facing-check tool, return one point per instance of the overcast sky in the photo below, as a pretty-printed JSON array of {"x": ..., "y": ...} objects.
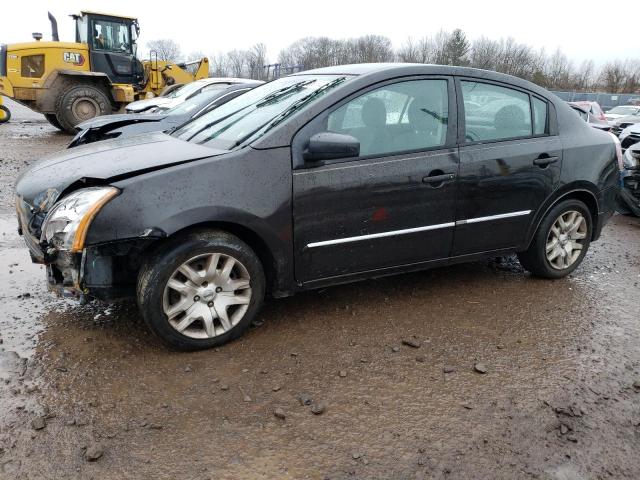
[{"x": 582, "y": 29}]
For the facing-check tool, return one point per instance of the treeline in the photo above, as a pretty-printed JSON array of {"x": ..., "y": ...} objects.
[{"x": 554, "y": 71}]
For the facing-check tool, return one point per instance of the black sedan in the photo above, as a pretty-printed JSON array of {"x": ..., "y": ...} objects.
[
  {"x": 315, "y": 179},
  {"x": 125, "y": 125}
]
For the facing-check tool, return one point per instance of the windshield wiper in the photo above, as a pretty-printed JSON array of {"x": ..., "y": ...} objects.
[
  {"x": 279, "y": 93},
  {"x": 303, "y": 101},
  {"x": 292, "y": 108},
  {"x": 266, "y": 100}
]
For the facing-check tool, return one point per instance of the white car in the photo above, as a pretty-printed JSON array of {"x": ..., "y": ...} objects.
[
  {"x": 622, "y": 111},
  {"x": 180, "y": 94}
]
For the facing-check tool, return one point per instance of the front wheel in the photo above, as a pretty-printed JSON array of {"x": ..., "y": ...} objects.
[
  {"x": 201, "y": 290},
  {"x": 561, "y": 241},
  {"x": 80, "y": 103},
  {"x": 53, "y": 120}
]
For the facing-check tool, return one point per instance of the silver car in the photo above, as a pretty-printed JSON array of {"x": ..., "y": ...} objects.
[{"x": 179, "y": 95}]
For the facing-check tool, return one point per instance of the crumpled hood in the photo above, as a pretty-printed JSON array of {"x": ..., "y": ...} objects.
[
  {"x": 140, "y": 105},
  {"x": 102, "y": 161},
  {"x": 120, "y": 119}
]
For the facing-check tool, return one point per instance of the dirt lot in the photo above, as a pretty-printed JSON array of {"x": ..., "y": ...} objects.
[{"x": 87, "y": 392}]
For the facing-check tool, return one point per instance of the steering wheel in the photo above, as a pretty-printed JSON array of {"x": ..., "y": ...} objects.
[{"x": 471, "y": 136}]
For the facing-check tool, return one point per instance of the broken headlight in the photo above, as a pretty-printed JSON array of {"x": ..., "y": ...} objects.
[{"x": 65, "y": 226}]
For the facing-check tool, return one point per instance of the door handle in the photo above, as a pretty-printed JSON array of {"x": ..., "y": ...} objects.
[
  {"x": 543, "y": 161},
  {"x": 438, "y": 179}
]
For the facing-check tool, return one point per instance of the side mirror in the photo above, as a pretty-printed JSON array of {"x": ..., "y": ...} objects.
[{"x": 330, "y": 146}]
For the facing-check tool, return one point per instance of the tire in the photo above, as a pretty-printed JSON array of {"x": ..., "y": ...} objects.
[
  {"x": 5, "y": 115},
  {"x": 81, "y": 103},
  {"x": 53, "y": 120},
  {"x": 535, "y": 258},
  {"x": 156, "y": 297}
]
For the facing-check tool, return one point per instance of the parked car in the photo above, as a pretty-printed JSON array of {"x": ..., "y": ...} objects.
[
  {"x": 592, "y": 107},
  {"x": 619, "y": 124},
  {"x": 128, "y": 124},
  {"x": 622, "y": 111},
  {"x": 630, "y": 135},
  {"x": 629, "y": 196},
  {"x": 319, "y": 178},
  {"x": 585, "y": 113},
  {"x": 177, "y": 96}
]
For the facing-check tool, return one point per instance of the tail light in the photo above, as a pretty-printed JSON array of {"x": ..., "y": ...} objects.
[{"x": 618, "y": 151}]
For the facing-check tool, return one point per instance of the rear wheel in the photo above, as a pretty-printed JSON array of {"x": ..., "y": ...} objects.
[
  {"x": 5, "y": 114},
  {"x": 81, "y": 103},
  {"x": 53, "y": 120},
  {"x": 561, "y": 241},
  {"x": 201, "y": 290}
]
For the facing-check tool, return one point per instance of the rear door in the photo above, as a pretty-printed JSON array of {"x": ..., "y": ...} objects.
[
  {"x": 395, "y": 203},
  {"x": 510, "y": 161}
]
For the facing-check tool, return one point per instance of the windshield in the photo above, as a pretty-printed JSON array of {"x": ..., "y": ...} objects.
[
  {"x": 190, "y": 89},
  {"x": 252, "y": 114},
  {"x": 624, "y": 110},
  {"x": 193, "y": 104},
  {"x": 174, "y": 93}
]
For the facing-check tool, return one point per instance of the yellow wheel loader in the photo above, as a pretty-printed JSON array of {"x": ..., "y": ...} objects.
[{"x": 97, "y": 75}]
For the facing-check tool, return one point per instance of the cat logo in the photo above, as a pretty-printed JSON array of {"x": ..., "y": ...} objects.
[{"x": 73, "y": 57}]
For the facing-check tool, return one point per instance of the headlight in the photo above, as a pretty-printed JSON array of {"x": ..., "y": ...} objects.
[
  {"x": 65, "y": 226},
  {"x": 631, "y": 158}
]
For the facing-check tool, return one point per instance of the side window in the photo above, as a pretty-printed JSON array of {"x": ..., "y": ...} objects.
[
  {"x": 403, "y": 116},
  {"x": 495, "y": 113},
  {"x": 539, "y": 116}
]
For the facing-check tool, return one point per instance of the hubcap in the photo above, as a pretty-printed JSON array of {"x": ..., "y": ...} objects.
[
  {"x": 207, "y": 295},
  {"x": 85, "y": 108},
  {"x": 565, "y": 239}
]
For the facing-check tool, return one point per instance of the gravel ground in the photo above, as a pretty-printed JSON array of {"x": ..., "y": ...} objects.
[{"x": 472, "y": 371}]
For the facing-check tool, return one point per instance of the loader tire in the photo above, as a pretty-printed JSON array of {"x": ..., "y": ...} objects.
[
  {"x": 53, "y": 120},
  {"x": 81, "y": 103},
  {"x": 5, "y": 114}
]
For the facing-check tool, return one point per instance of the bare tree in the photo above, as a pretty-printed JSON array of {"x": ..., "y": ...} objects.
[
  {"x": 218, "y": 65},
  {"x": 236, "y": 61},
  {"x": 555, "y": 71},
  {"x": 166, "y": 49},
  {"x": 195, "y": 55},
  {"x": 256, "y": 60}
]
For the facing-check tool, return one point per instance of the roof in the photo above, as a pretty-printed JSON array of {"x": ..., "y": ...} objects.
[
  {"x": 89, "y": 12},
  {"x": 389, "y": 70}
]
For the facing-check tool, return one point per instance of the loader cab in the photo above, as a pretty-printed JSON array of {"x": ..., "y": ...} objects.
[{"x": 112, "y": 45}]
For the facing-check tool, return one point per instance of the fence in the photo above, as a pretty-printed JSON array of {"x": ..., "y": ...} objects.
[{"x": 605, "y": 100}]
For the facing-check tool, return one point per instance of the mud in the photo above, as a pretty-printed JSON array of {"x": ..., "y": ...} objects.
[{"x": 557, "y": 400}]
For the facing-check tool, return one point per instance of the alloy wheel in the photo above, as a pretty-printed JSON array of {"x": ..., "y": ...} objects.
[
  {"x": 565, "y": 239},
  {"x": 207, "y": 295}
]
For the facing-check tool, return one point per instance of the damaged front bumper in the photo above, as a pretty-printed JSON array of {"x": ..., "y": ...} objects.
[
  {"x": 629, "y": 196},
  {"x": 106, "y": 271}
]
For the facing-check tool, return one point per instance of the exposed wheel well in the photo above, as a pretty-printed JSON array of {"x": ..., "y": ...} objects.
[
  {"x": 588, "y": 199},
  {"x": 585, "y": 196},
  {"x": 243, "y": 233}
]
